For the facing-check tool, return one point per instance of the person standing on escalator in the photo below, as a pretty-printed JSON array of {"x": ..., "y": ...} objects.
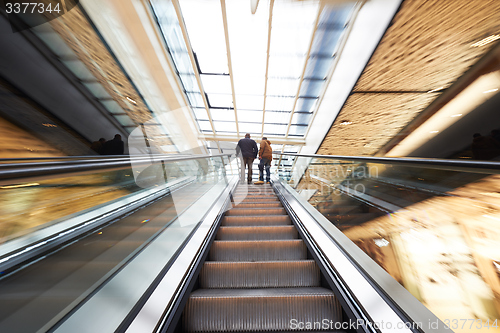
[
  {"x": 248, "y": 149},
  {"x": 265, "y": 157}
]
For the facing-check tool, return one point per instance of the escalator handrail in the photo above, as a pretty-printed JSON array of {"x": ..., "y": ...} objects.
[
  {"x": 416, "y": 162},
  {"x": 17, "y": 171}
]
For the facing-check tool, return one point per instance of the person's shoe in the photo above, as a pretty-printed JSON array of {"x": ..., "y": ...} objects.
[
  {"x": 259, "y": 182},
  {"x": 249, "y": 182},
  {"x": 268, "y": 182}
]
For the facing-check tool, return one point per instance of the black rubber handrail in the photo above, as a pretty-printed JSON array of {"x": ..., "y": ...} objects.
[
  {"x": 17, "y": 171},
  {"x": 487, "y": 167}
]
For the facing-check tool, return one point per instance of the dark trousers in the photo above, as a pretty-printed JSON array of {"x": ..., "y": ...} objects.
[
  {"x": 247, "y": 162},
  {"x": 265, "y": 164}
]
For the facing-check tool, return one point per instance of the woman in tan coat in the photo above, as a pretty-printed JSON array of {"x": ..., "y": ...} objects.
[{"x": 265, "y": 157}]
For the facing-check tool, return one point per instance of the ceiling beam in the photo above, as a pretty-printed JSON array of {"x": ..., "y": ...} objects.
[
  {"x": 269, "y": 27},
  {"x": 185, "y": 35},
  {"x": 274, "y": 140},
  {"x": 229, "y": 63}
]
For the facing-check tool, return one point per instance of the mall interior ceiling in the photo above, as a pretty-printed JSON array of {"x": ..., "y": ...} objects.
[{"x": 364, "y": 78}]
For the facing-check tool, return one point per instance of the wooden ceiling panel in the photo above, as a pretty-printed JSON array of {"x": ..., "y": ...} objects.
[
  {"x": 427, "y": 46},
  {"x": 375, "y": 119}
]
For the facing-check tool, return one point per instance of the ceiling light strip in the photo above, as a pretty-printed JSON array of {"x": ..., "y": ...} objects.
[
  {"x": 229, "y": 64},
  {"x": 342, "y": 42},
  {"x": 271, "y": 6},
  {"x": 182, "y": 24}
]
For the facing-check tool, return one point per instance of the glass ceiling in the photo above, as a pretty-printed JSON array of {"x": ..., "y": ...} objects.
[{"x": 261, "y": 73}]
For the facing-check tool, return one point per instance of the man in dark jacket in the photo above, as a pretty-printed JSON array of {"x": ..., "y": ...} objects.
[
  {"x": 248, "y": 149},
  {"x": 114, "y": 147}
]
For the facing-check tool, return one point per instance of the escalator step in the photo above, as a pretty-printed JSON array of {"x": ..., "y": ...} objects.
[
  {"x": 256, "y": 190},
  {"x": 257, "y": 250},
  {"x": 259, "y": 205},
  {"x": 266, "y": 274},
  {"x": 255, "y": 211},
  {"x": 254, "y": 197},
  {"x": 252, "y": 200},
  {"x": 257, "y": 233},
  {"x": 239, "y": 310},
  {"x": 256, "y": 220}
]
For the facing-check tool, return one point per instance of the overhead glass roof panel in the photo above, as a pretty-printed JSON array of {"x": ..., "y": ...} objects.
[
  {"x": 225, "y": 126},
  {"x": 195, "y": 99},
  {"x": 97, "y": 90},
  {"x": 220, "y": 100},
  {"x": 297, "y": 130},
  {"x": 79, "y": 69},
  {"x": 277, "y": 117},
  {"x": 248, "y": 85},
  {"x": 279, "y": 103},
  {"x": 125, "y": 120},
  {"x": 311, "y": 87},
  {"x": 317, "y": 67},
  {"x": 300, "y": 118},
  {"x": 293, "y": 24},
  {"x": 200, "y": 113},
  {"x": 286, "y": 65},
  {"x": 248, "y": 35},
  {"x": 56, "y": 44},
  {"x": 250, "y": 116},
  {"x": 222, "y": 114},
  {"x": 189, "y": 82},
  {"x": 203, "y": 21},
  {"x": 282, "y": 86},
  {"x": 305, "y": 104},
  {"x": 275, "y": 129},
  {"x": 205, "y": 125},
  {"x": 325, "y": 42},
  {"x": 112, "y": 106},
  {"x": 250, "y": 102},
  {"x": 252, "y": 128},
  {"x": 218, "y": 84}
]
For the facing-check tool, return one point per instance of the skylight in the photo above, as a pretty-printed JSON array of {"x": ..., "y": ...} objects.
[{"x": 279, "y": 61}]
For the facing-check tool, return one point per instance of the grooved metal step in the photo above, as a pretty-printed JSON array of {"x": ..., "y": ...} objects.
[
  {"x": 255, "y": 190},
  {"x": 254, "y": 197},
  {"x": 257, "y": 233},
  {"x": 264, "y": 274},
  {"x": 256, "y": 220},
  {"x": 259, "y": 205},
  {"x": 271, "y": 309},
  {"x": 257, "y": 250},
  {"x": 252, "y": 200},
  {"x": 255, "y": 211}
]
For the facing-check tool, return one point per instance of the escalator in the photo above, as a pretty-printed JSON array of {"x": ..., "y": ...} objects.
[
  {"x": 258, "y": 276},
  {"x": 207, "y": 256}
]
